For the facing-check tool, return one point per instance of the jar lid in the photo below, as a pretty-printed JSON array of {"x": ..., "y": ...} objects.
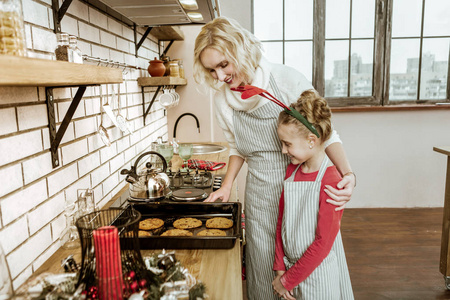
[{"x": 156, "y": 61}]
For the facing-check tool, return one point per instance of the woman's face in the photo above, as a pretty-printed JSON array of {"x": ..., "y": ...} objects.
[{"x": 220, "y": 68}]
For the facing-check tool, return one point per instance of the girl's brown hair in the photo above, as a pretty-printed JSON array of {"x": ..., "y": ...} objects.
[{"x": 315, "y": 109}]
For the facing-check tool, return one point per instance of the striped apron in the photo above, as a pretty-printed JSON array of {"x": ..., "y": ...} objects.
[
  {"x": 331, "y": 279},
  {"x": 256, "y": 139}
]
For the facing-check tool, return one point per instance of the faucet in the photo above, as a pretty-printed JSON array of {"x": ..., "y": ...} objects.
[{"x": 176, "y": 124}]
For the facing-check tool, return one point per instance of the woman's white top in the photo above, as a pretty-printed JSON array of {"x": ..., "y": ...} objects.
[{"x": 291, "y": 84}]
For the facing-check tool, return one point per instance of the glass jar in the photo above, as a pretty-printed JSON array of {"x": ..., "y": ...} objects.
[
  {"x": 174, "y": 69},
  {"x": 181, "y": 67},
  {"x": 166, "y": 61},
  {"x": 12, "y": 33},
  {"x": 77, "y": 56},
  {"x": 62, "y": 51}
]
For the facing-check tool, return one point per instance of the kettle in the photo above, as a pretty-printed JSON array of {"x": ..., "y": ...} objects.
[{"x": 148, "y": 184}]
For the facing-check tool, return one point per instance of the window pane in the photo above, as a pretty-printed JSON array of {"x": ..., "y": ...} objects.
[
  {"x": 404, "y": 69},
  {"x": 336, "y": 68},
  {"x": 298, "y": 28},
  {"x": 337, "y": 22},
  {"x": 437, "y": 18},
  {"x": 363, "y": 18},
  {"x": 268, "y": 19},
  {"x": 433, "y": 79},
  {"x": 273, "y": 51},
  {"x": 406, "y": 18},
  {"x": 361, "y": 68},
  {"x": 299, "y": 56}
]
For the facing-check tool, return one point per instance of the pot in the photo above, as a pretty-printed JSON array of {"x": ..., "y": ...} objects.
[{"x": 148, "y": 184}]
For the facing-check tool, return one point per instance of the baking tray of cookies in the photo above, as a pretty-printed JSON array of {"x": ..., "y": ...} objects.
[{"x": 170, "y": 212}]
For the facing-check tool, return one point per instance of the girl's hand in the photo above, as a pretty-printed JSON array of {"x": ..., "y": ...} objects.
[
  {"x": 223, "y": 193},
  {"x": 279, "y": 289},
  {"x": 341, "y": 196}
]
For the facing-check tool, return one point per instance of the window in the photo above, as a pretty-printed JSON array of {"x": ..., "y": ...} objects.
[{"x": 362, "y": 52}]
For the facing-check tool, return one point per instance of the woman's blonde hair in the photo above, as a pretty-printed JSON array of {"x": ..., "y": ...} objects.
[
  {"x": 315, "y": 109},
  {"x": 239, "y": 46}
]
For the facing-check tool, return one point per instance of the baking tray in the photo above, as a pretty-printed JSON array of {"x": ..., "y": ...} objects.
[{"x": 169, "y": 212}]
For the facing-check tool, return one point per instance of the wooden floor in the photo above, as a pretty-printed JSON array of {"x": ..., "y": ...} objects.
[{"x": 394, "y": 253}]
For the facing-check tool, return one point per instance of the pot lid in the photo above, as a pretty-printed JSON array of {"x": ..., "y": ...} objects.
[{"x": 190, "y": 194}]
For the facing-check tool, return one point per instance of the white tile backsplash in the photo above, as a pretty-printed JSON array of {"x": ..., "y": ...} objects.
[
  {"x": 49, "y": 210},
  {"x": 37, "y": 167},
  {"x": 99, "y": 174},
  {"x": 89, "y": 163},
  {"x": 74, "y": 151},
  {"x": 61, "y": 179},
  {"x": 98, "y": 18},
  {"x": 19, "y": 146},
  {"x": 79, "y": 10},
  {"x": 43, "y": 40},
  {"x": 19, "y": 203},
  {"x": 23, "y": 256},
  {"x": 12, "y": 179},
  {"x": 8, "y": 121},
  {"x": 70, "y": 25},
  {"x": 108, "y": 39},
  {"x": 13, "y": 95},
  {"x": 32, "y": 116},
  {"x": 85, "y": 126},
  {"x": 35, "y": 13},
  {"x": 88, "y": 32},
  {"x": 14, "y": 234}
]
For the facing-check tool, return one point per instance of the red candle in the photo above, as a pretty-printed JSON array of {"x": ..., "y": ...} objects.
[{"x": 109, "y": 265}]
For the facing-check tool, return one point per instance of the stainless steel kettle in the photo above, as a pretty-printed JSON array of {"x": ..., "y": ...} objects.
[{"x": 148, "y": 184}]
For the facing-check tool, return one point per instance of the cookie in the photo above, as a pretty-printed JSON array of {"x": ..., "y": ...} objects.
[
  {"x": 219, "y": 222},
  {"x": 212, "y": 232},
  {"x": 187, "y": 223},
  {"x": 177, "y": 232},
  {"x": 150, "y": 224},
  {"x": 143, "y": 233}
]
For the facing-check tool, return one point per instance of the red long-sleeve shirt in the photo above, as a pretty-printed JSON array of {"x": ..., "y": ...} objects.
[{"x": 328, "y": 224}]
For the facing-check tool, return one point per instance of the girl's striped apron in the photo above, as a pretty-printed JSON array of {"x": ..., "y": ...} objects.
[
  {"x": 257, "y": 140},
  {"x": 330, "y": 280}
]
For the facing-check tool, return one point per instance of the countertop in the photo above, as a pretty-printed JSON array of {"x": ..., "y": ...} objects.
[{"x": 219, "y": 269}]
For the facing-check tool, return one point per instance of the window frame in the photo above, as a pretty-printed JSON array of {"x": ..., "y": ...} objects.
[{"x": 381, "y": 58}]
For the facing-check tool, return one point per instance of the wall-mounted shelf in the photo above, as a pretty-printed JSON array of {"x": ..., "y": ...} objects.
[
  {"x": 158, "y": 82},
  {"x": 23, "y": 71},
  {"x": 168, "y": 33}
]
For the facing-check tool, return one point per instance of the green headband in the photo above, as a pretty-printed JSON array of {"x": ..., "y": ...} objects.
[{"x": 293, "y": 112}]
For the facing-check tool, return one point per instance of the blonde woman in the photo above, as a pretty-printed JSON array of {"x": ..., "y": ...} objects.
[{"x": 228, "y": 55}]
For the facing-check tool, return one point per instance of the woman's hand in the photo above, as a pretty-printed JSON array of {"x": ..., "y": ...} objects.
[
  {"x": 223, "y": 193},
  {"x": 280, "y": 290},
  {"x": 342, "y": 195}
]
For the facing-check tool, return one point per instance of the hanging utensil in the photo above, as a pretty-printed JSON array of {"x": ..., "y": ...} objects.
[
  {"x": 121, "y": 121},
  {"x": 107, "y": 108},
  {"x": 102, "y": 130}
]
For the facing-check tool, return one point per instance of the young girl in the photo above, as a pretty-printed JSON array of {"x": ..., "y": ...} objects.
[{"x": 309, "y": 256}]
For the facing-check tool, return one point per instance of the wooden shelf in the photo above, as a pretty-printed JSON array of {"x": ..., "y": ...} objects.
[
  {"x": 168, "y": 33},
  {"x": 158, "y": 81},
  {"x": 24, "y": 71}
]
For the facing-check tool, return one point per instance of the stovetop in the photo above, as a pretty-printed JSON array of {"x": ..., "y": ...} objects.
[{"x": 180, "y": 180}]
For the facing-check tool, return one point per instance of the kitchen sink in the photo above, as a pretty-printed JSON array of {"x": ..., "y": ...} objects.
[{"x": 207, "y": 148}]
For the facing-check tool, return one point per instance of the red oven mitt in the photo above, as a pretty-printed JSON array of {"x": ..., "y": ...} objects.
[{"x": 205, "y": 165}]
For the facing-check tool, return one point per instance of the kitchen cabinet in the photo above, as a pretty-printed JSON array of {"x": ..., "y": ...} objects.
[
  {"x": 444, "y": 265},
  {"x": 25, "y": 71},
  {"x": 157, "y": 82}
]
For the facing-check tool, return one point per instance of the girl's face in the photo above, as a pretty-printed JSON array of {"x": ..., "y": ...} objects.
[
  {"x": 220, "y": 68},
  {"x": 294, "y": 145}
]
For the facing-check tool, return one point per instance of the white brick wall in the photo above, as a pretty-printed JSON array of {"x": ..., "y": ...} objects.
[{"x": 33, "y": 193}]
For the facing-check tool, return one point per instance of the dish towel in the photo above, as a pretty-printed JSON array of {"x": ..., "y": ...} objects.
[{"x": 205, "y": 165}]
